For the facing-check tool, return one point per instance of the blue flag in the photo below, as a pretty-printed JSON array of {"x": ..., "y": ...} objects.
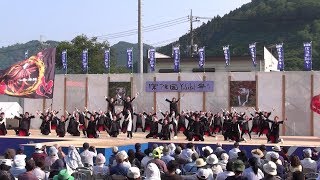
[
  {"x": 176, "y": 59},
  {"x": 308, "y": 56},
  {"x": 280, "y": 57},
  {"x": 26, "y": 54},
  {"x": 129, "y": 58},
  {"x": 107, "y": 58},
  {"x": 85, "y": 59},
  {"x": 226, "y": 52},
  {"x": 202, "y": 57},
  {"x": 152, "y": 59},
  {"x": 253, "y": 52},
  {"x": 64, "y": 59}
]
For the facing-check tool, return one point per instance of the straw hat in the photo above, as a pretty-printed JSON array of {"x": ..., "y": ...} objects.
[{"x": 200, "y": 162}]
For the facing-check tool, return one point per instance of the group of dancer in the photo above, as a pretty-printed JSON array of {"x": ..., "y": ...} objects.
[{"x": 194, "y": 125}]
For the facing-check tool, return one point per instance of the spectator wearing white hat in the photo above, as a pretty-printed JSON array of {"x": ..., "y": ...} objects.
[
  {"x": 278, "y": 150},
  {"x": 202, "y": 167},
  {"x": 133, "y": 173},
  {"x": 152, "y": 172},
  {"x": 233, "y": 153},
  {"x": 73, "y": 159},
  {"x": 203, "y": 174},
  {"x": 270, "y": 170},
  {"x": 224, "y": 160},
  {"x": 40, "y": 152},
  {"x": 228, "y": 172},
  {"x": 100, "y": 168},
  {"x": 212, "y": 162},
  {"x": 122, "y": 166},
  {"x": 207, "y": 150},
  {"x": 219, "y": 150},
  {"x": 112, "y": 159},
  {"x": 4, "y": 169},
  {"x": 19, "y": 164},
  {"x": 274, "y": 157},
  {"x": 52, "y": 157},
  {"x": 307, "y": 163}
]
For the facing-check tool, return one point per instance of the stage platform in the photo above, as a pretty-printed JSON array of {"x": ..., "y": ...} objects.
[{"x": 103, "y": 144}]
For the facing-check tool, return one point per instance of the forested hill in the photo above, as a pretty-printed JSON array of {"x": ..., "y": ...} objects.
[{"x": 266, "y": 22}]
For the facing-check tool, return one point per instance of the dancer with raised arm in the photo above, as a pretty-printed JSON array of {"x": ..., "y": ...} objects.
[
  {"x": 61, "y": 128},
  {"x": 173, "y": 105},
  {"x": 3, "y": 129},
  {"x": 24, "y": 124},
  {"x": 274, "y": 132},
  {"x": 45, "y": 125}
]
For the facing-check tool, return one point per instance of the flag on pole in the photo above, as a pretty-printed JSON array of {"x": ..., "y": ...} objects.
[
  {"x": 280, "y": 57},
  {"x": 85, "y": 60},
  {"x": 129, "y": 58},
  {"x": 308, "y": 56},
  {"x": 64, "y": 59},
  {"x": 202, "y": 57},
  {"x": 107, "y": 58},
  {"x": 152, "y": 59},
  {"x": 26, "y": 54},
  {"x": 226, "y": 52},
  {"x": 176, "y": 59},
  {"x": 253, "y": 52}
]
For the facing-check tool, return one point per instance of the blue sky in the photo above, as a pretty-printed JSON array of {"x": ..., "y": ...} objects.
[{"x": 22, "y": 21}]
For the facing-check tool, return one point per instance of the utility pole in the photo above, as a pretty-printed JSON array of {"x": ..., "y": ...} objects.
[
  {"x": 140, "y": 43},
  {"x": 191, "y": 33}
]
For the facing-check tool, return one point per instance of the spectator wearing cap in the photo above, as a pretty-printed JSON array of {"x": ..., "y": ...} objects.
[
  {"x": 122, "y": 167},
  {"x": 38, "y": 171},
  {"x": 133, "y": 160},
  {"x": 147, "y": 158},
  {"x": 224, "y": 160},
  {"x": 19, "y": 164},
  {"x": 100, "y": 168},
  {"x": 73, "y": 159},
  {"x": 278, "y": 150},
  {"x": 152, "y": 172},
  {"x": 233, "y": 153},
  {"x": 191, "y": 167},
  {"x": 270, "y": 170},
  {"x": 87, "y": 156},
  {"x": 238, "y": 168},
  {"x": 274, "y": 157},
  {"x": 112, "y": 159},
  {"x": 219, "y": 150},
  {"x": 138, "y": 154},
  {"x": 207, "y": 150},
  {"x": 52, "y": 157},
  {"x": 4, "y": 169},
  {"x": 157, "y": 154},
  {"x": 253, "y": 172},
  {"x": 307, "y": 163},
  {"x": 40, "y": 152},
  {"x": 212, "y": 162},
  {"x": 166, "y": 155},
  {"x": 28, "y": 175},
  {"x": 173, "y": 167},
  {"x": 295, "y": 169},
  {"x": 228, "y": 172},
  {"x": 133, "y": 173}
]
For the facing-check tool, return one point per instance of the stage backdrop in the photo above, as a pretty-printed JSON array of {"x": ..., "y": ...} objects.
[{"x": 243, "y": 94}]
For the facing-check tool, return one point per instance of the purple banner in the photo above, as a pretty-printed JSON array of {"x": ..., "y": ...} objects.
[{"x": 179, "y": 86}]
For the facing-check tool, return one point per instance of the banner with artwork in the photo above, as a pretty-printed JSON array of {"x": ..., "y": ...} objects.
[
  {"x": 30, "y": 78},
  {"x": 243, "y": 93},
  {"x": 119, "y": 90}
]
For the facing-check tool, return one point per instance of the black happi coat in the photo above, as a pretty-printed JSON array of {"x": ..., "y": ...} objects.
[
  {"x": 45, "y": 125},
  {"x": 24, "y": 123},
  {"x": 173, "y": 106}
]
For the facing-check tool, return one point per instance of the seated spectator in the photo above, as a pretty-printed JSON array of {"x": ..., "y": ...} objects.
[
  {"x": 172, "y": 148},
  {"x": 278, "y": 150},
  {"x": 224, "y": 160},
  {"x": 219, "y": 150},
  {"x": 258, "y": 154},
  {"x": 9, "y": 154},
  {"x": 307, "y": 163},
  {"x": 171, "y": 173},
  {"x": 73, "y": 160},
  {"x": 274, "y": 157},
  {"x": 263, "y": 148},
  {"x": 212, "y": 162},
  {"x": 253, "y": 172},
  {"x": 270, "y": 170},
  {"x": 5, "y": 169},
  {"x": 191, "y": 168},
  {"x": 52, "y": 157},
  {"x": 87, "y": 156},
  {"x": 29, "y": 175},
  {"x": 122, "y": 167},
  {"x": 100, "y": 167},
  {"x": 157, "y": 154},
  {"x": 200, "y": 164},
  {"x": 242, "y": 155},
  {"x": 295, "y": 169},
  {"x": 227, "y": 173},
  {"x": 147, "y": 158},
  {"x": 203, "y": 174},
  {"x": 166, "y": 155},
  {"x": 139, "y": 155},
  {"x": 187, "y": 152},
  {"x": 19, "y": 164},
  {"x": 40, "y": 152},
  {"x": 133, "y": 173},
  {"x": 133, "y": 160},
  {"x": 152, "y": 172},
  {"x": 233, "y": 153},
  {"x": 207, "y": 150},
  {"x": 238, "y": 168},
  {"x": 57, "y": 166},
  {"x": 61, "y": 154},
  {"x": 112, "y": 159},
  {"x": 38, "y": 170},
  {"x": 177, "y": 156},
  {"x": 63, "y": 175}
]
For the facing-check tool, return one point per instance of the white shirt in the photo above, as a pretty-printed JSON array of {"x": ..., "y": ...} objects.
[
  {"x": 309, "y": 163},
  {"x": 145, "y": 160},
  {"x": 39, "y": 173},
  {"x": 87, "y": 157},
  {"x": 233, "y": 153},
  {"x": 224, "y": 175},
  {"x": 101, "y": 169},
  {"x": 248, "y": 173}
]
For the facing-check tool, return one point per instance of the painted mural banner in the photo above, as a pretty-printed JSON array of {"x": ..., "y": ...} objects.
[
  {"x": 119, "y": 90},
  {"x": 179, "y": 86},
  {"x": 243, "y": 93}
]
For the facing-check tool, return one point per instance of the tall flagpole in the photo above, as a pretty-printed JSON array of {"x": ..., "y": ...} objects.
[{"x": 140, "y": 43}]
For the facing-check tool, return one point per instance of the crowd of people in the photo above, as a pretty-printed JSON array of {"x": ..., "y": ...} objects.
[
  {"x": 194, "y": 125},
  {"x": 165, "y": 161}
]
